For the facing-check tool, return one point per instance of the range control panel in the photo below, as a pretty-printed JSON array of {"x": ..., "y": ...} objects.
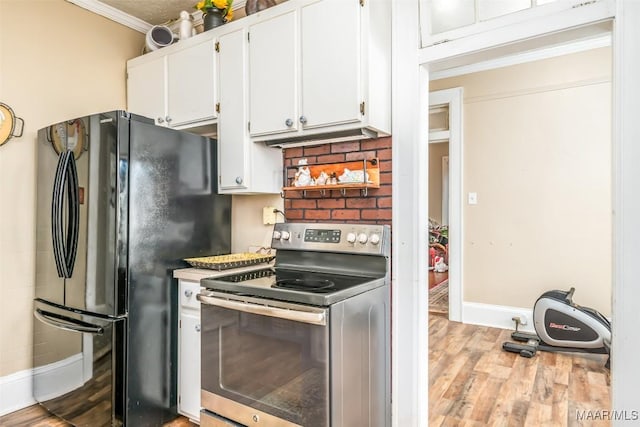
[
  {"x": 351, "y": 238},
  {"x": 323, "y": 236}
]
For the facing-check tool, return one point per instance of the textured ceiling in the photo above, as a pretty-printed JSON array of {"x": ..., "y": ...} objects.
[{"x": 153, "y": 11}]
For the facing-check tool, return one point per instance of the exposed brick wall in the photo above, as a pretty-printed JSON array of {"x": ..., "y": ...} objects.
[{"x": 333, "y": 206}]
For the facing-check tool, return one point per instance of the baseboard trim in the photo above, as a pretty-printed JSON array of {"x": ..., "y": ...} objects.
[
  {"x": 58, "y": 378},
  {"x": 496, "y": 316},
  {"x": 16, "y": 391}
]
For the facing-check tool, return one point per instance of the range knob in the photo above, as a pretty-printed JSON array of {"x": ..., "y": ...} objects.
[
  {"x": 362, "y": 238},
  {"x": 285, "y": 235},
  {"x": 351, "y": 237},
  {"x": 374, "y": 239},
  {"x": 277, "y": 235}
]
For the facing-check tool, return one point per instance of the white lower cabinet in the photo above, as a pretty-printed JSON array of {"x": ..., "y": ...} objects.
[{"x": 189, "y": 350}]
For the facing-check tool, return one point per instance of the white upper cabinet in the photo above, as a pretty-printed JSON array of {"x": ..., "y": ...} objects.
[
  {"x": 319, "y": 69},
  {"x": 175, "y": 86},
  {"x": 331, "y": 78},
  {"x": 273, "y": 75},
  {"x": 191, "y": 84},
  {"x": 243, "y": 166},
  {"x": 146, "y": 89}
]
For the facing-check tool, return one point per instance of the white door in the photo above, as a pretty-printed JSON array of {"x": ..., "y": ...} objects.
[
  {"x": 191, "y": 84},
  {"x": 273, "y": 53},
  {"x": 146, "y": 90},
  {"x": 330, "y": 63},
  {"x": 189, "y": 365},
  {"x": 232, "y": 121}
]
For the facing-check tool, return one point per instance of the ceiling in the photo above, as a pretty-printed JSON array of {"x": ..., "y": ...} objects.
[
  {"x": 141, "y": 15},
  {"x": 153, "y": 12}
]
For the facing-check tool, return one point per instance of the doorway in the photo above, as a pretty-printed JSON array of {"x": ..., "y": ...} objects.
[{"x": 445, "y": 202}]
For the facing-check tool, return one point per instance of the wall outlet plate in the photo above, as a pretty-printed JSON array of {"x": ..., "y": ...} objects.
[{"x": 268, "y": 215}]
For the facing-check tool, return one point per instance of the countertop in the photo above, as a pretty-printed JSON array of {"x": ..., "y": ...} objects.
[{"x": 197, "y": 274}]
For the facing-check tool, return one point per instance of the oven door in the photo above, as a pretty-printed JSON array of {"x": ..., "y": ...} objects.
[{"x": 264, "y": 362}]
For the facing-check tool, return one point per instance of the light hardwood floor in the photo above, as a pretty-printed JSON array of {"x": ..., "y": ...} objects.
[{"x": 472, "y": 382}]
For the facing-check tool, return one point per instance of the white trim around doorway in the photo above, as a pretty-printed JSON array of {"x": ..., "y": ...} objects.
[{"x": 453, "y": 98}]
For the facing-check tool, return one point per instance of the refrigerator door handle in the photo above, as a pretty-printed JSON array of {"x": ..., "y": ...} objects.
[
  {"x": 73, "y": 217},
  {"x": 67, "y": 323},
  {"x": 57, "y": 201}
]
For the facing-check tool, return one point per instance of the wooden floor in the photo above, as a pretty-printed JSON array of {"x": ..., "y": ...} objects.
[
  {"x": 36, "y": 416},
  {"x": 472, "y": 382}
]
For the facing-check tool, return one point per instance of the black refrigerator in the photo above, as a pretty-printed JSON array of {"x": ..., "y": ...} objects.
[{"x": 120, "y": 203}]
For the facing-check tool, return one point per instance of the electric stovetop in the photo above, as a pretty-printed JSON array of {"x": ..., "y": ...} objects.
[{"x": 306, "y": 287}]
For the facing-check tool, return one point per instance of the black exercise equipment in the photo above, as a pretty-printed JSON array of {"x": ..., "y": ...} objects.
[{"x": 562, "y": 325}]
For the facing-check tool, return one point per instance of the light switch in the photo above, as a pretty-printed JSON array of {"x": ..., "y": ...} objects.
[{"x": 472, "y": 199}]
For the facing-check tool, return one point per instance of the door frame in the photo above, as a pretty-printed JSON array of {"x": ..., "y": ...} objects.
[
  {"x": 453, "y": 98},
  {"x": 410, "y": 105}
]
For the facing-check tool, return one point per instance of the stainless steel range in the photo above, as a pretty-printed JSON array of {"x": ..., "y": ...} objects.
[{"x": 307, "y": 342}]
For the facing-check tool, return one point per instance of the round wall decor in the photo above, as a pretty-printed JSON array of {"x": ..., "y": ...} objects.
[{"x": 8, "y": 123}]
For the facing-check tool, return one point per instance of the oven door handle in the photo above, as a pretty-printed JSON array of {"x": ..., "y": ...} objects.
[{"x": 314, "y": 318}]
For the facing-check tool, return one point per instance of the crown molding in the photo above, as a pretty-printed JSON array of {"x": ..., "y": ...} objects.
[
  {"x": 127, "y": 20},
  {"x": 113, "y": 14}
]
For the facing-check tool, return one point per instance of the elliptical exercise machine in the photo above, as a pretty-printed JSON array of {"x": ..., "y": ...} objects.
[{"x": 562, "y": 325}]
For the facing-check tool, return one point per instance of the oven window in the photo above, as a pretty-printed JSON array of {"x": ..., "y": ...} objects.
[{"x": 274, "y": 365}]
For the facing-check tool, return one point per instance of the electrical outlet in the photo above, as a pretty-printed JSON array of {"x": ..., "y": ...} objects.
[{"x": 268, "y": 215}]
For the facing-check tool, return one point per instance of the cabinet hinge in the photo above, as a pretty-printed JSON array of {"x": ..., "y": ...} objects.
[
  {"x": 179, "y": 324},
  {"x": 249, "y": 126},
  {"x": 218, "y": 108},
  {"x": 362, "y": 108},
  {"x": 179, "y": 399},
  {"x": 217, "y": 46},
  {"x": 219, "y": 179},
  {"x": 248, "y": 37}
]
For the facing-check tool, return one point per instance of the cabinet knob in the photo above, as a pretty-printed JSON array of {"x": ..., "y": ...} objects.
[
  {"x": 188, "y": 293},
  {"x": 238, "y": 180},
  {"x": 303, "y": 119},
  {"x": 160, "y": 120},
  {"x": 197, "y": 328},
  {"x": 168, "y": 119},
  {"x": 288, "y": 122}
]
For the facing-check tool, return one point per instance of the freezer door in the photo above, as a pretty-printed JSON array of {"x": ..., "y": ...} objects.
[{"x": 79, "y": 365}]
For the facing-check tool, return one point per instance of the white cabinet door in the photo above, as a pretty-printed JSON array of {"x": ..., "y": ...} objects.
[
  {"x": 232, "y": 121},
  {"x": 191, "y": 84},
  {"x": 146, "y": 90},
  {"x": 273, "y": 53},
  {"x": 330, "y": 62},
  {"x": 189, "y": 367}
]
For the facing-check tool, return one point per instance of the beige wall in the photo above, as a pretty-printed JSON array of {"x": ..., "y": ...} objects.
[
  {"x": 248, "y": 230},
  {"x": 436, "y": 152},
  {"x": 537, "y": 150},
  {"x": 57, "y": 61}
]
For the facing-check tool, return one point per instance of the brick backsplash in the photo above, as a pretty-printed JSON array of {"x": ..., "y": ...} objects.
[{"x": 333, "y": 206}]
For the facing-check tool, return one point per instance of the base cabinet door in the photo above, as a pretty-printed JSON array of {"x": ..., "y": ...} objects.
[{"x": 189, "y": 351}]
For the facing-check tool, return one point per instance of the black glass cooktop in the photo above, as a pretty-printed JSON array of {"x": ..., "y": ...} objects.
[{"x": 292, "y": 285}]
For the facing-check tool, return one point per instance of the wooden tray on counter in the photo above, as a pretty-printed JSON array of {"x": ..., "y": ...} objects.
[{"x": 225, "y": 262}]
